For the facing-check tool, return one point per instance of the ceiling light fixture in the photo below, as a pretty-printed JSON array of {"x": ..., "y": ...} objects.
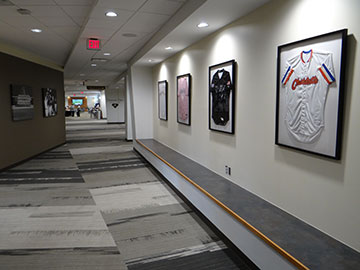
[
  {"x": 82, "y": 74},
  {"x": 202, "y": 25},
  {"x": 107, "y": 53},
  {"x": 23, "y": 11},
  {"x": 168, "y": 48},
  {"x": 110, "y": 14},
  {"x": 36, "y": 30},
  {"x": 96, "y": 80},
  {"x": 129, "y": 35},
  {"x": 93, "y": 65},
  {"x": 150, "y": 60}
]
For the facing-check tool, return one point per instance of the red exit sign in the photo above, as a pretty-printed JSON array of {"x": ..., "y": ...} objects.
[{"x": 93, "y": 44}]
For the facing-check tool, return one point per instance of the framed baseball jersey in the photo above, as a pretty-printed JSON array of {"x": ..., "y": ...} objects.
[
  {"x": 310, "y": 82},
  {"x": 222, "y": 97},
  {"x": 183, "y": 88},
  {"x": 162, "y": 99}
]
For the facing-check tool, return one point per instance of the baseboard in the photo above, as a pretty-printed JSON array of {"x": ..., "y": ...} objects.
[{"x": 27, "y": 159}]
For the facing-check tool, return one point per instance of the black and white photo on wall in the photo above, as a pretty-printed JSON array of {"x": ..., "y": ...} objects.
[
  {"x": 22, "y": 103},
  {"x": 222, "y": 97},
  {"x": 49, "y": 102},
  {"x": 162, "y": 99},
  {"x": 310, "y": 94},
  {"x": 183, "y": 86}
]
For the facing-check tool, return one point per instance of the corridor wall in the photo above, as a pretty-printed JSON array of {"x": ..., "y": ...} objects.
[
  {"x": 115, "y": 104},
  {"x": 142, "y": 101},
  {"x": 320, "y": 191},
  {"x": 23, "y": 139}
]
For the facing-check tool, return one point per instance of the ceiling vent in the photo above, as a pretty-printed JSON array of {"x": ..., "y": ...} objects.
[
  {"x": 129, "y": 35},
  {"x": 6, "y": 3},
  {"x": 24, "y": 11},
  {"x": 102, "y": 60}
]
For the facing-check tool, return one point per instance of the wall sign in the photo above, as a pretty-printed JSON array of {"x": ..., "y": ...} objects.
[
  {"x": 95, "y": 87},
  {"x": 93, "y": 44}
]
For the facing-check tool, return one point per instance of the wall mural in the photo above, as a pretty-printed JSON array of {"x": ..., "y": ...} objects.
[
  {"x": 22, "y": 103},
  {"x": 50, "y": 102}
]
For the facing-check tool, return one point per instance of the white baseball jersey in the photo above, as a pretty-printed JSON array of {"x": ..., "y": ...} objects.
[{"x": 306, "y": 79}]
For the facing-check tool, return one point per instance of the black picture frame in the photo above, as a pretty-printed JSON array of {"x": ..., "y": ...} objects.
[
  {"x": 310, "y": 94},
  {"x": 183, "y": 99},
  {"x": 50, "y": 106},
  {"x": 163, "y": 100},
  {"x": 22, "y": 102},
  {"x": 222, "y": 97}
]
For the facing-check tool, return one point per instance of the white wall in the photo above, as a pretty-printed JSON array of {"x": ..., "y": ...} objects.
[
  {"x": 128, "y": 108},
  {"x": 103, "y": 104},
  {"x": 320, "y": 191},
  {"x": 115, "y": 96},
  {"x": 141, "y": 83},
  {"x": 92, "y": 100}
]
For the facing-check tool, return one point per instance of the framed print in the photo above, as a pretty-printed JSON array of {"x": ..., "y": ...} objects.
[
  {"x": 310, "y": 86},
  {"x": 22, "y": 104},
  {"x": 162, "y": 99},
  {"x": 50, "y": 102},
  {"x": 222, "y": 97},
  {"x": 183, "y": 86}
]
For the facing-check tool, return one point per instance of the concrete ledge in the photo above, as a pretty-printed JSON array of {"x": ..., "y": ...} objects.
[{"x": 288, "y": 243}]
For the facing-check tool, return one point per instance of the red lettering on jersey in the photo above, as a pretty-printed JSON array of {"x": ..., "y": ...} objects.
[{"x": 304, "y": 81}]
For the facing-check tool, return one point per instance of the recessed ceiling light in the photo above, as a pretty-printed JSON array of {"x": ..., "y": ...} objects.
[
  {"x": 82, "y": 74},
  {"x": 150, "y": 60},
  {"x": 93, "y": 65},
  {"x": 96, "y": 80},
  {"x": 107, "y": 53},
  {"x": 110, "y": 14},
  {"x": 202, "y": 25},
  {"x": 168, "y": 48},
  {"x": 36, "y": 30}
]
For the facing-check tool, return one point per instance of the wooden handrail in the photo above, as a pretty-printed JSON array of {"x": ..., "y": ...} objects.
[{"x": 255, "y": 231}]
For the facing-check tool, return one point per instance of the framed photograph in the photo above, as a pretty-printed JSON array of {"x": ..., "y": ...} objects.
[
  {"x": 162, "y": 99},
  {"x": 22, "y": 103},
  {"x": 183, "y": 86},
  {"x": 222, "y": 97},
  {"x": 50, "y": 102},
  {"x": 310, "y": 86}
]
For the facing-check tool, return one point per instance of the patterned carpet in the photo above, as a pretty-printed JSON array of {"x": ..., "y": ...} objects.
[{"x": 94, "y": 203}]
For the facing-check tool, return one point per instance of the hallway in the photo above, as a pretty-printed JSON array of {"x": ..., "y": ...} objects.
[{"x": 94, "y": 203}]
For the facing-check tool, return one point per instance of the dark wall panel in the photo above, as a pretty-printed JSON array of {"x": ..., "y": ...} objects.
[{"x": 20, "y": 140}]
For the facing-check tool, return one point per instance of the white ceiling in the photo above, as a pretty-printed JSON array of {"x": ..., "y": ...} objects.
[
  {"x": 216, "y": 13},
  {"x": 66, "y": 25}
]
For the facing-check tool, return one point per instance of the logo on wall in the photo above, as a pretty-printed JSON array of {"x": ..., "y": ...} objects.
[{"x": 115, "y": 105}]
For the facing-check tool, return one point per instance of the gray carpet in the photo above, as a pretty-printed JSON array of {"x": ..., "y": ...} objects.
[{"x": 96, "y": 204}]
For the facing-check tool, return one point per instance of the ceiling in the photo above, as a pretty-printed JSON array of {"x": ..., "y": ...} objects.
[{"x": 141, "y": 31}]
